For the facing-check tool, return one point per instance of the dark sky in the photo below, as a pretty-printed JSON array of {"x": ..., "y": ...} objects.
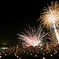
[{"x": 16, "y": 15}]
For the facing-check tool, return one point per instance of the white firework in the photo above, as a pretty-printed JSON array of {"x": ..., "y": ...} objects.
[{"x": 32, "y": 37}]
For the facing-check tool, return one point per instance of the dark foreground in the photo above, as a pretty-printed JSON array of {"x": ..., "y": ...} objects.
[
  {"x": 8, "y": 57},
  {"x": 29, "y": 57},
  {"x": 29, "y": 53}
]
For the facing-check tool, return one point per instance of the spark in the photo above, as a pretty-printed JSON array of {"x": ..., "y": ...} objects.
[
  {"x": 32, "y": 37},
  {"x": 50, "y": 17},
  {"x": 43, "y": 57}
]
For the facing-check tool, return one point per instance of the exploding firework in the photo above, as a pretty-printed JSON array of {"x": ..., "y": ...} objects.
[
  {"x": 50, "y": 17},
  {"x": 32, "y": 37}
]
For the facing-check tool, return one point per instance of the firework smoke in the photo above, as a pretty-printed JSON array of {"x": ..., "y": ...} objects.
[
  {"x": 32, "y": 37},
  {"x": 50, "y": 17}
]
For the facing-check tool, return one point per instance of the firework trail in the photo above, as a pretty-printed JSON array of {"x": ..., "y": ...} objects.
[
  {"x": 32, "y": 37},
  {"x": 50, "y": 17},
  {"x": 53, "y": 39}
]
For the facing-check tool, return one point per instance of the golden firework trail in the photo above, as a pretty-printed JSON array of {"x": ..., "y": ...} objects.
[
  {"x": 52, "y": 38},
  {"x": 50, "y": 17}
]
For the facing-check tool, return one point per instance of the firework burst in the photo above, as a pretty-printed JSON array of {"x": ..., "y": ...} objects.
[
  {"x": 50, "y": 17},
  {"x": 32, "y": 37}
]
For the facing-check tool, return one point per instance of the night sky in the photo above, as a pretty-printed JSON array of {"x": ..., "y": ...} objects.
[{"x": 16, "y": 15}]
